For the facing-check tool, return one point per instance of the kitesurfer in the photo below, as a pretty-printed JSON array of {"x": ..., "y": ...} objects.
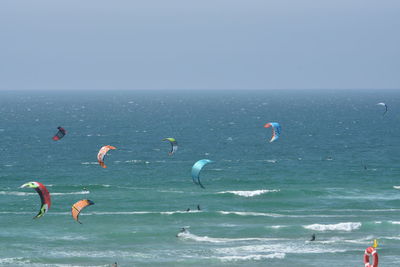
[
  {"x": 183, "y": 230},
  {"x": 312, "y": 237}
]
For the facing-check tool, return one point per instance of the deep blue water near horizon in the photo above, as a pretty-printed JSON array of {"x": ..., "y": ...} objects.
[{"x": 333, "y": 172}]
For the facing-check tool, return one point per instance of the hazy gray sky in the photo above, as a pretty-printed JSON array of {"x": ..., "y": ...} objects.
[{"x": 188, "y": 44}]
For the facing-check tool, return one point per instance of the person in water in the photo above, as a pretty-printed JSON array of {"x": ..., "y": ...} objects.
[
  {"x": 188, "y": 209},
  {"x": 312, "y": 237},
  {"x": 198, "y": 207},
  {"x": 183, "y": 230},
  {"x": 115, "y": 264}
]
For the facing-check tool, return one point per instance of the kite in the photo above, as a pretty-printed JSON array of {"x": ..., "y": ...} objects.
[
  {"x": 44, "y": 197},
  {"x": 78, "y": 207},
  {"x": 60, "y": 134},
  {"x": 174, "y": 145},
  {"x": 383, "y": 104},
  {"x": 102, "y": 153},
  {"x": 196, "y": 170},
  {"x": 276, "y": 130}
]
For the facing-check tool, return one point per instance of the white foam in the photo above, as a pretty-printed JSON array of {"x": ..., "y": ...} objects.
[
  {"x": 252, "y": 257},
  {"x": 249, "y": 193},
  {"x": 179, "y": 211},
  {"x": 189, "y": 236},
  {"x": 277, "y": 226},
  {"x": 170, "y": 191},
  {"x": 16, "y": 193},
  {"x": 140, "y": 212},
  {"x": 276, "y": 215},
  {"x": 396, "y": 187},
  {"x": 273, "y": 247},
  {"x": 391, "y": 237},
  {"x": 347, "y": 226},
  {"x": 13, "y": 260},
  {"x": 394, "y": 222},
  {"x": 66, "y": 238},
  {"x": 84, "y": 192},
  {"x": 244, "y": 213}
]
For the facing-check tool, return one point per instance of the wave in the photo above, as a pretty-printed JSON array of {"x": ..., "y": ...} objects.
[
  {"x": 276, "y": 215},
  {"x": 277, "y": 226},
  {"x": 347, "y": 226},
  {"x": 338, "y": 240},
  {"x": 63, "y": 238},
  {"x": 140, "y": 212},
  {"x": 170, "y": 191},
  {"x": 287, "y": 248},
  {"x": 84, "y": 192},
  {"x": 13, "y": 260},
  {"x": 179, "y": 211},
  {"x": 189, "y": 236},
  {"x": 250, "y": 193},
  {"x": 396, "y": 187},
  {"x": 245, "y": 213},
  {"x": 256, "y": 257},
  {"x": 15, "y": 193}
]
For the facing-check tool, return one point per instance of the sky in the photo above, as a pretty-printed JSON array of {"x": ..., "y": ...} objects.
[{"x": 207, "y": 44}]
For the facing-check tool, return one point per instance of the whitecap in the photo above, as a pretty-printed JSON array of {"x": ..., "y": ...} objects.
[
  {"x": 244, "y": 213},
  {"x": 346, "y": 226},
  {"x": 15, "y": 193},
  {"x": 272, "y": 247},
  {"x": 277, "y": 226},
  {"x": 189, "y": 236},
  {"x": 84, "y": 192},
  {"x": 252, "y": 257},
  {"x": 249, "y": 193}
]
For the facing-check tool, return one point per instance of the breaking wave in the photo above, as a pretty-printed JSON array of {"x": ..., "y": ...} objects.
[
  {"x": 249, "y": 193},
  {"x": 347, "y": 226}
]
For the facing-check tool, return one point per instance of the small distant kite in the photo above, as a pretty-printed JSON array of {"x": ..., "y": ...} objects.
[
  {"x": 196, "y": 170},
  {"x": 383, "y": 104},
  {"x": 174, "y": 145},
  {"x": 102, "y": 153},
  {"x": 44, "y": 197},
  {"x": 276, "y": 130},
  {"x": 78, "y": 207},
  {"x": 60, "y": 134}
]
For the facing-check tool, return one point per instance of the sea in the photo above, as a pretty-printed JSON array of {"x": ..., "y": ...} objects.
[{"x": 334, "y": 172}]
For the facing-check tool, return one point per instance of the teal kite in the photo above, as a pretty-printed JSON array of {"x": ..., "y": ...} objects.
[{"x": 196, "y": 170}]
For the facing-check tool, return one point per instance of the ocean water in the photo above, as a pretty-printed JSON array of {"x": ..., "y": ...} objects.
[{"x": 333, "y": 173}]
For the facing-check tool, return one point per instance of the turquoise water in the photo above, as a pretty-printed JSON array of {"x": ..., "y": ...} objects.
[{"x": 331, "y": 173}]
